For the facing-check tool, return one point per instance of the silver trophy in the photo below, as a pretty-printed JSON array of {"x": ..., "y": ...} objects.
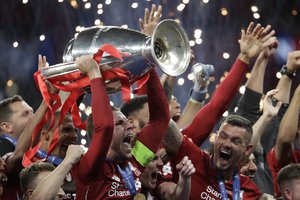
[{"x": 168, "y": 48}]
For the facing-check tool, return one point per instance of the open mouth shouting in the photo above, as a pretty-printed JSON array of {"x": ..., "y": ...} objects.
[
  {"x": 127, "y": 142},
  {"x": 153, "y": 178},
  {"x": 224, "y": 156},
  {"x": 250, "y": 175},
  {"x": 155, "y": 174}
]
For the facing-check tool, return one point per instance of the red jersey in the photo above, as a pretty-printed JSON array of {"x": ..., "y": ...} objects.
[
  {"x": 11, "y": 189},
  {"x": 275, "y": 166},
  {"x": 109, "y": 184},
  {"x": 204, "y": 182},
  {"x": 99, "y": 178},
  {"x": 208, "y": 116}
]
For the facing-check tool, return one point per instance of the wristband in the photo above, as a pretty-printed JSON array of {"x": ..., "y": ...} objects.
[
  {"x": 284, "y": 71},
  {"x": 198, "y": 96},
  {"x": 275, "y": 101}
]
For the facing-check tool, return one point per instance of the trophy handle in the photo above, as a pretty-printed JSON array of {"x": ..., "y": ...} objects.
[{"x": 170, "y": 48}]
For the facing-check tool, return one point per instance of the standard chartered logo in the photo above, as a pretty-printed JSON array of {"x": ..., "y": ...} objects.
[
  {"x": 119, "y": 190},
  {"x": 210, "y": 194}
]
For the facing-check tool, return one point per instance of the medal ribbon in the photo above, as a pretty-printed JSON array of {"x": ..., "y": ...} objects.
[
  {"x": 77, "y": 82},
  {"x": 53, "y": 159},
  {"x": 12, "y": 140},
  {"x": 236, "y": 187},
  {"x": 40, "y": 153},
  {"x": 128, "y": 179}
]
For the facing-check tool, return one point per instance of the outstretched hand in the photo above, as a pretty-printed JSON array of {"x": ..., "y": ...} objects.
[
  {"x": 42, "y": 63},
  {"x": 270, "y": 50},
  {"x": 255, "y": 39},
  {"x": 150, "y": 20}
]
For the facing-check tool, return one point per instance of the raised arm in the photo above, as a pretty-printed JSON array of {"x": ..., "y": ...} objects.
[
  {"x": 248, "y": 105},
  {"x": 152, "y": 134},
  {"x": 285, "y": 82},
  {"x": 284, "y": 87},
  {"x": 251, "y": 43},
  {"x": 172, "y": 139},
  {"x": 207, "y": 117},
  {"x": 167, "y": 83},
  {"x": 14, "y": 162},
  {"x": 284, "y": 139},
  {"x": 89, "y": 166},
  {"x": 262, "y": 123},
  {"x": 202, "y": 75},
  {"x": 49, "y": 187},
  {"x": 256, "y": 80},
  {"x": 288, "y": 130},
  {"x": 148, "y": 24}
]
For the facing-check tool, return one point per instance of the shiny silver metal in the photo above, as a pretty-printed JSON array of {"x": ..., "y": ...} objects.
[{"x": 168, "y": 48}]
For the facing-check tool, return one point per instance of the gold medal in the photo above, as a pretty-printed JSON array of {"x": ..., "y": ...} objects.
[{"x": 139, "y": 196}]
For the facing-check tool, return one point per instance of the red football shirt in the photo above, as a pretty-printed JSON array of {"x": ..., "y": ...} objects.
[
  {"x": 98, "y": 178},
  {"x": 275, "y": 166},
  {"x": 204, "y": 181},
  {"x": 109, "y": 184},
  {"x": 208, "y": 116}
]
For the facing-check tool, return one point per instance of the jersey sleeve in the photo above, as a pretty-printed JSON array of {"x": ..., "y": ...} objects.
[
  {"x": 187, "y": 148},
  {"x": 208, "y": 116},
  {"x": 90, "y": 165},
  {"x": 274, "y": 166},
  {"x": 150, "y": 137},
  {"x": 248, "y": 105}
]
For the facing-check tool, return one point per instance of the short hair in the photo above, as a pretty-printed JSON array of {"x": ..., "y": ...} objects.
[
  {"x": 134, "y": 105},
  {"x": 90, "y": 125},
  {"x": 287, "y": 174},
  {"x": 239, "y": 121},
  {"x": 29, "y": 174},
  {"x": 5, "y": 110}
]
